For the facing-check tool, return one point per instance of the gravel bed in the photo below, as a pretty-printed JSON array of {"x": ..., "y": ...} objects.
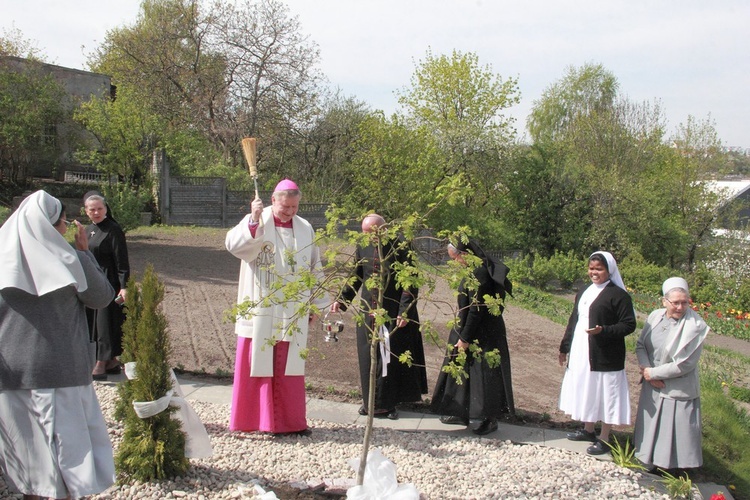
[{"x": 439, "y": 466}]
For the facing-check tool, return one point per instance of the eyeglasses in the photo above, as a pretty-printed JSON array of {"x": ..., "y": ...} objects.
[
  {"x": 69, "y": 223},
  {"x": 678, "y": 304}
]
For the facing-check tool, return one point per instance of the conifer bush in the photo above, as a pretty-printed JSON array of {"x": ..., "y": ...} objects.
[{"x": 154, "y": 447}]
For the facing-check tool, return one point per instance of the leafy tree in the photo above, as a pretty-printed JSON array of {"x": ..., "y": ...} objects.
[
  {"x": 339, "y": 270},
  {"x": 165, "y": 62},
  {"x": 31, "y": 105},
  {"x": 580, "y": 92},
  {"x": 623, "y": 169},
  {"x": 545, "y": 208},
  {"x": 125, "y": 134},
  {"x": 461, "y": 103},
  {"x": 330, "y": 144},
  {"x": 697, "y": 156},
  {"x": 226, "y": 70},
  {"x": 617, "y": 153},
  {"x": 395, "y": 169}
]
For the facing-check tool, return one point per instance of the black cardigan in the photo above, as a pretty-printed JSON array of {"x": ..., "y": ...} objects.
[{"x": 613, "y": 310}]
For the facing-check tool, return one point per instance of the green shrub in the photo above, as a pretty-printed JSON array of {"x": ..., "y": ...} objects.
[
  {"x": 542, "y": 273},
  {"x": 64, "y": 190},
  {"x": 567, "y": 268},
  {"x": 643, "y": 276},
  {"x": 126, "y": 203},
  {"x": 520, "y": 269},
  {"x": 4, "y": 214},
  {"x": 706, "y": 285},
  {"x": 152, "y": 448},
  {"x": 559, "y": 271}
]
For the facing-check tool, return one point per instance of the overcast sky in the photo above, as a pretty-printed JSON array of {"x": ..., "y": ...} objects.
[{"x": 691, "y": 55}]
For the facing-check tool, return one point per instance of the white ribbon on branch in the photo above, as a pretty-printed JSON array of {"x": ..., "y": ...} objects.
[
  {"x": 385, "y": 348},
  {"x": 197, "y": 442}
]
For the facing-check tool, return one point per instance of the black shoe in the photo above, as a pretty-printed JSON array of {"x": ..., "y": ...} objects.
[
  {"x": 303, "y": 432},
  {"x": 362, "y": 410},
  {"x": 582, "y": 435},
  {"x": 450, "y": 420},
  {"x": 99, "y": 376},
  {"x": 115, "y": 370},
  {"x": 488, "y": 425},
  {"x": 389, "y": 414},
  {"x": 598, "y": 448}
]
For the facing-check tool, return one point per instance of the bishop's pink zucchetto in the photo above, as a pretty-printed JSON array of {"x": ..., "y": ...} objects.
[{"x": 285, "y": 185}]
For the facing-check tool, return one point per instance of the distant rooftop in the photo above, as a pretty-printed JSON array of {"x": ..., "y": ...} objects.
[{"x": 729, "y": 189}]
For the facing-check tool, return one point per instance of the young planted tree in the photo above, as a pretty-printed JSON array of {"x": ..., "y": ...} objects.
[
  {"x": 153, "y": 447},
  {"x": 412, "y": 272}
]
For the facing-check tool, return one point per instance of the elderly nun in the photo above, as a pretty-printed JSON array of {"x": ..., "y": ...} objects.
[{"x": 668, "y": 419}]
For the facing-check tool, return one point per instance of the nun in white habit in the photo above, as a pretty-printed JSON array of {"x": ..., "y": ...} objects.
[
  {"x": 668, "y": 419},
  {"x": 595, "y": 386},
  {"x": 53, "y": 437}
]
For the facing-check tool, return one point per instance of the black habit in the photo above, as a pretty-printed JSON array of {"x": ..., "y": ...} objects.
[
  {"x": 487, "y": 392},
  {"x": 402, "y": 383},
  {"x": 107, "y": 243}
]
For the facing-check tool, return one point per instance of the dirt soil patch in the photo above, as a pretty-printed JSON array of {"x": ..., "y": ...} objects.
[{"x": 200, "y": 279}]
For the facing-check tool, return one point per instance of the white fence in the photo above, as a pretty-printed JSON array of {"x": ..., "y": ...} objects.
[{"x": 88, "y": 177}]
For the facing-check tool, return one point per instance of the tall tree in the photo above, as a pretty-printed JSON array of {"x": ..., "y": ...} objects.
[
  {"x": 165, "y": 60},
  {"x": 125, "y": 135},
  {"x": 545, "y": 208},
  {"x": 697, "y": 157},
  {"x": 614, "y": 149},
  {"x": 395, "y": 168},
  {"x": 580, "y": 92},
  {"x": 31, "y": 105},
  {"x": 325, "y": 163},
  {"x": 227, "y": 70},
  {"x": 462, "y": 103}
]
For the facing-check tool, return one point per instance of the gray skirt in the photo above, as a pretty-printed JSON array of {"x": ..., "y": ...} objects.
[
  {"x": 668, "y": 431},
  {"x": 54, "y": 442}
]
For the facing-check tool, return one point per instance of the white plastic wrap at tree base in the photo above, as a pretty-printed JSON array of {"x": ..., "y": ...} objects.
[
  {"x": 197, "y": 442},
  {"x": 385, "y": 348},
  {"x": 380, "y": 481}
]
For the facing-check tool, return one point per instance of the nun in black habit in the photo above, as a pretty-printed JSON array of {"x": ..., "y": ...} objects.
[
  {"x": 486, "y": 393},
  {"x": 107, "y": 243}
]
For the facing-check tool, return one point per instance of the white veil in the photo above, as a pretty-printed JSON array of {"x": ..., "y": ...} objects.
[
  {"x": 34, "y": 256},
  {"x": 614, "y": 271}
]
